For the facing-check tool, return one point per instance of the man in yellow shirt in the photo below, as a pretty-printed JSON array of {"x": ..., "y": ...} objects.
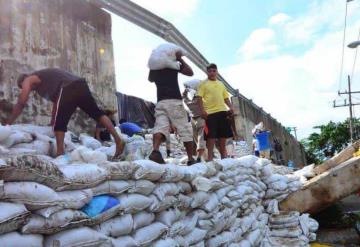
[{"x": 216, "y": 108}]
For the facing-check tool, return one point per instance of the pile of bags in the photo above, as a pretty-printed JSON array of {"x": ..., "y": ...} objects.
[{"x": 82, "y": 199}]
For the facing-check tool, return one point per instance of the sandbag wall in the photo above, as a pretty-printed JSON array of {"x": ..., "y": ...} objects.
[{"x": 71, "y": 201}]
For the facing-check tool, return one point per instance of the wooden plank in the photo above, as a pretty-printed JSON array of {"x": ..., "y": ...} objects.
[
  {"x": 325, "y": 189},
  {"x": 341, "y": 157}
]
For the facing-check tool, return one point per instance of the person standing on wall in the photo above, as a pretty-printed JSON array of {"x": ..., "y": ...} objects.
[
  {"x": 197, "y": 122},
  {"x": 67, "y": 92},
  {"x": 170, "y": 110},
  {"x": 215, "y": 104}
]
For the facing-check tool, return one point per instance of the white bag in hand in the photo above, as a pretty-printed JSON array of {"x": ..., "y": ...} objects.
[{"x": 164, "y": 56}]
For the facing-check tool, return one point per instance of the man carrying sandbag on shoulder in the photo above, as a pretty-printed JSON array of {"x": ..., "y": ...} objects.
[
  {"x": 165, "y": 63},
  {"x": 67, "y": 92}
]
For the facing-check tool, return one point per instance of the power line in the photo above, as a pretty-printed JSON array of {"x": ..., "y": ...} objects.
[
  {"x": 343, "y": 45},
  {"x": 356, "y": 52}
]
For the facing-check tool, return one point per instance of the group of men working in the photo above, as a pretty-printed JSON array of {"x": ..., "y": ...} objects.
[{"x": 210, "y": 111}]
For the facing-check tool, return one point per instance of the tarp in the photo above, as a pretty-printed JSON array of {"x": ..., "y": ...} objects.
[{"x": 136, "y": 110}]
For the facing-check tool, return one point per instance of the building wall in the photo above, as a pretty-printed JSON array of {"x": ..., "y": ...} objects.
[
  {"x": 247, "y": 115},
  {"x": 68, "y": 34}
]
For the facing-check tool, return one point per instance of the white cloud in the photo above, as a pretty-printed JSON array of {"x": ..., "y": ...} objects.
[
  {"x": 279, "y": 18},
  {"x": 260, "y": 42},
  {"x": 298, "y": 88}
]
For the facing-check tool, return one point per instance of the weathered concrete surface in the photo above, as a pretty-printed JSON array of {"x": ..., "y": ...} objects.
[
  {"x": 247, "y": 116},
  {"x": 68, "y": 34},
  {"x": 325, "y": 189}
]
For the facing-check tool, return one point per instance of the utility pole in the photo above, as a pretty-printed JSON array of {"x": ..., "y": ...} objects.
[{"x": 350, "y": 105}]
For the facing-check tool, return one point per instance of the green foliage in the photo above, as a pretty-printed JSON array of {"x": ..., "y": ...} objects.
[{"x": 330, "y": 139}]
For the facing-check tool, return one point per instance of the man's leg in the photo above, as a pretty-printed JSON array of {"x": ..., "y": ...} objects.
[
  {"x": 189, "y": 150},
  {"x": 120, "y": 144},
  {"x": 200, "y": 153},
  {"x": 210, "y": 143},
  {"x": 158, "y": 138},
  {"x": 60, "y": 149},
  {"x": 222, "y": 147}
]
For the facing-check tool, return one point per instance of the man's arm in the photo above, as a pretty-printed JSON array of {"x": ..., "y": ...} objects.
[
  {"x": 185, "y": 68},
  {"x": 23, "y": 98},
  {"x": 228, "y": 103}
]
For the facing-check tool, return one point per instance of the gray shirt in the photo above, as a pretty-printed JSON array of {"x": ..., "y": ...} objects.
[{"x": 52, "y": 80}]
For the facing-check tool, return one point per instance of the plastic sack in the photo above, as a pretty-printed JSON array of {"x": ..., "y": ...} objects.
[
  {"x": 133, "y": 203},
  {"x": 112, "y": 187},
  {"x": 99, "y": 204},
  {"x": 89, "y": 142},
  {"x": 125, "y": 241},
  {"x": 142, "y": 219},
  {"x": 148, "y": 170},
  {"x": 193, "y": 84},
  {"x": 164, "y": 56},
  {"x": 144, "y": 236},
  {"x": 15, "y": 137},
  {"x": 15, "y": 239},
  {"x": 143, "y": 187},
  {"x": 79, "y": 237},
  {"x": 117, "y": 226},
  {"x": 5, "y": 132},
  {"x": 195, "y": 236},
  {"x": 12, "y": 216},
  {"x": 168, "y": 217}
]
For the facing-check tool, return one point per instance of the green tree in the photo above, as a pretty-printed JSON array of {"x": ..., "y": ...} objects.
[{"x": 330, "y": 139}]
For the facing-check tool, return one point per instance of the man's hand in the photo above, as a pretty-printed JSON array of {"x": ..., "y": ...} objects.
[
  {"x": 204, "y": 115},
  {"x": 231, "y": 110},
  {"x": 178, "y": 55}
]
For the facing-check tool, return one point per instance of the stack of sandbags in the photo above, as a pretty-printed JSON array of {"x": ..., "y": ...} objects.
[
  {"x": 242, "y": 149},
  {"x": 164, "y": 57},
  {"x": 81, "y": 199},
  {"x": 31, "y": 139}
]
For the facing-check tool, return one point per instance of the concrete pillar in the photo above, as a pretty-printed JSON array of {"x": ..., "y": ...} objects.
[{"x": 72, "y": 35}]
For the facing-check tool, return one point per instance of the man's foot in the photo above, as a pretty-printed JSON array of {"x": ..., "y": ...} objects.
[
  {"x": 156, "y": 157},
  {"x": 191, "y": 162},
  {"x": 168, "y": 153},
  {"x": 120, "y": 146},
  {"x": 198, "y": 160}
]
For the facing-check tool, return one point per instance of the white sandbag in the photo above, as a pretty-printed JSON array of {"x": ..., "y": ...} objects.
[
  {"x": 166, "y": 189},
  {"x": 202, "y": 184},
  {"x": 244, "y": 243},
  {"x": 286, "y": 233},
  {"x": 195, "y": 236},
  {"x": 14, "y": 151},
  {"x": 62, "y": 220},
  {"x": 133, "y": 203},
  {"x": 193, "y": 84},
  {"x": 5, "y": 132},
  {"x": 75, "y": 199},
  {"x": 144, "y": 236},
  {"x": 149, "y": 170},
  {"x": 89, "y": 141},
  {"x": 111, "y": 187},
  {"x": 313, "y": 225},
  {"x": 223, "y": 191},
  {"x": 222, "y": 239},
  {"x": 278, "y": 185},
  {"x": 284, "y": 217},
  {"x": 36, "y": 168},
  {"x": 159, "y": 206},
  {"x": 117, "y": 226},
  {"x": 15, "y": 137},
  {"x": 33, "y": 195},
  {"x": 79, "y": 237},
  {"x": 253, "y": 237},
  {"x": 41, "y": 147},
  {"x": 273, "y": 207},
  {"x": 164, "y": 56},
  {"x": 94, "y": 157},
  {"x": 83, "y": 175},
  {"x": 143, "y": 187},
  {"x": 142, "y": 219},
  {"x": 34, "y": 129},
  {"x": 120, "y": 170},
  {"x": 211, "y": 204},
  {"x": 184, "y": 202},
  {"x": 168, "y": 242},
  {"x": 12, "y": 216},
  {"x": 172, "y": 174},
  {"x": 307, "y": 171},
  {"x": 15, "y": 239},
  {"x": 169, "y": 216},
  {"x": 199, "y": 198},
  {"x": 125, "y": 241},
  {"x": 184, "y": 226}
]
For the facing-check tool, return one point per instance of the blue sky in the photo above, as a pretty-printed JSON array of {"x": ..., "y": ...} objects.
[{"x": 284, "y": 55}]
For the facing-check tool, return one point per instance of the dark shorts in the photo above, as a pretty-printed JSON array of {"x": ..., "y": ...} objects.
[
  {"x": 218, "y": 126},
  {"x": 77, "y": 94}
]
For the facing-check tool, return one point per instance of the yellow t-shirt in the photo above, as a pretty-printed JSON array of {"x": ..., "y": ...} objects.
[{"x": 213, "y": 94}]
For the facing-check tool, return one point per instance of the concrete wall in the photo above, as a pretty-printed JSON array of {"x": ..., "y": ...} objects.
[
  {"x": 248, "y": 115},
  {"x": 68, "y": 34}
]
